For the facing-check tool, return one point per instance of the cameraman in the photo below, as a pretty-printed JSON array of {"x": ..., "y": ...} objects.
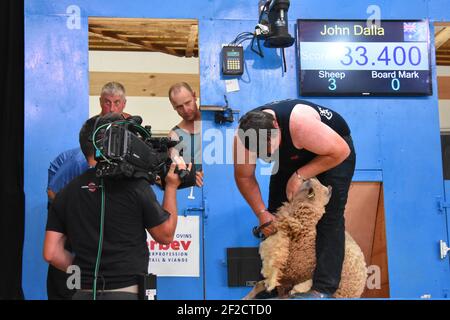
[
  {"x": 70, "y": 164},
  {"x": 130, "y": 207}
]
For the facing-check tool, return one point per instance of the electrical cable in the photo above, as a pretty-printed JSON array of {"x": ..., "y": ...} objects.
[
  {"x": 244, "y": 36},
  {"x": 259, "y": 48},
  {"x": 263, "y": 10},
  {"x": 244, "y": 39},
  {"x": 252, "y": 47},
  {"x": 100, "y": 241},
  {"x": 95, "y": 145},
  {"x": 240, "y": 36}
]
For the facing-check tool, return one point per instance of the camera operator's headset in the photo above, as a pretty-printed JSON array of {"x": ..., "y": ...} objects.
[{"x": 102, "y": 188}]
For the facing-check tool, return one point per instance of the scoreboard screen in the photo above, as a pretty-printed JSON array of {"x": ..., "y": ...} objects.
[{"x": 352, "y": 58}]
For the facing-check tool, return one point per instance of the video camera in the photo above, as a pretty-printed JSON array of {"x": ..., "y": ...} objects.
[{"x": 124, "y": 148}]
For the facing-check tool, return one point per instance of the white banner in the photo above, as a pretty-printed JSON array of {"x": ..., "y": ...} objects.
[{"x": 180, "y": 258}]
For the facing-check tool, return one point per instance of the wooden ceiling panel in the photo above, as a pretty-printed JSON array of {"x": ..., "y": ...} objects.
[
  {"x": 178, "y": 37},
  {"x": 142, "y": 84},
  {"x": 442, "y": 43}
]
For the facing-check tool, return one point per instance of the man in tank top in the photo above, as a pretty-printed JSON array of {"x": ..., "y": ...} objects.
[
  {"x": 184, "y": 102},
  {"x": 304, "y": 140}
]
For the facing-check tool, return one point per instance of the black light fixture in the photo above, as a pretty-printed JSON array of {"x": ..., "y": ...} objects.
[{"x": 274, "y": 16}]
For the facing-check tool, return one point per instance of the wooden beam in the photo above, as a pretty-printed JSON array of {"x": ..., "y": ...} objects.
[
  {"x": 192, "y": 39},
  {"x": 146, "y": 30},
  {"x": 155, "y": 35},
  {"x": 154, "y": 47},
  {"x": 110, "y": 42},
  {"x": 141, "y": 21},
  {"x": 112, "y": 36},
  {"x": 159, "y": 37},
  {"x": 132, "y": 42},
  {"x": 444, "y": 87},
  {"x": 141, "y": 84},
  {"x": 442, "y": 37},
  {"x": 116, "y": 48},
  {"x": 165, "y": 44},
  {"x": 119, "y": 47},
  {"x": 444, "y": 24}
]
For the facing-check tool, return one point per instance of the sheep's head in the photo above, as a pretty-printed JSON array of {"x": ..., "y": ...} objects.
[{"x": 313, "y": 193}]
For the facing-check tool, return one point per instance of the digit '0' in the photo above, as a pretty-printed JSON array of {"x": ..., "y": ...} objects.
[{"x": 395, "y": 84}]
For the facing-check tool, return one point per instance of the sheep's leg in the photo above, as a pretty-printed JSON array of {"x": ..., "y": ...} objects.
[
  {"x": 283, "y": 292},
  {"x": 274, "y": 253},
  {"x": 259, "y": 287},
  {"x": 301, "y": 287}
]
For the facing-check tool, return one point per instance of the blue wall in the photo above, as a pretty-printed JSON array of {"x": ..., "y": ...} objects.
[{"x": 397, "y": 139}]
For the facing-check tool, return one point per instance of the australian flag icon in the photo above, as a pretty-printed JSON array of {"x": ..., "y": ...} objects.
[{"x": 415, "y": 31}]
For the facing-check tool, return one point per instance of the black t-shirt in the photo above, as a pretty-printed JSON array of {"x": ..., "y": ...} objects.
[
  {"x": 290, "y": 157},
  {"x": 130, "y": 208}
]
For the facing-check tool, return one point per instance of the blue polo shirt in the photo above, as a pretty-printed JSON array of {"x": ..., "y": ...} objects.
[{"x": 65, "y": 167}]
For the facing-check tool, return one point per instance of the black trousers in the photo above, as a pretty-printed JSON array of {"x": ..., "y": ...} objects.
[
  {"x": 57, "y": 285},
  {"x": 330, "y": 240}
]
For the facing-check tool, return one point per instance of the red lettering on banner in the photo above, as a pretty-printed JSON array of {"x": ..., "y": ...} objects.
[
  {"x": 164, "y": 246},
  {"x": 185, "y": 244},
  {"x": 174, "y": 245}
]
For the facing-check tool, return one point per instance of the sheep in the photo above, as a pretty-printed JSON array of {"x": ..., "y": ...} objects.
[{"x": 289, "y": 257}]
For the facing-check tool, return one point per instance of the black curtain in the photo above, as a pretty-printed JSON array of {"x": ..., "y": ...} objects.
[
  {"x": 445, "y": 145},
  {"x": 12, "y": 216}
]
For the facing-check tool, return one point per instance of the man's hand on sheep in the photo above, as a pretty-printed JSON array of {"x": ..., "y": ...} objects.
[
  {"x": 265, "y": 217},
  {"x": 293, "y": 185}
]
